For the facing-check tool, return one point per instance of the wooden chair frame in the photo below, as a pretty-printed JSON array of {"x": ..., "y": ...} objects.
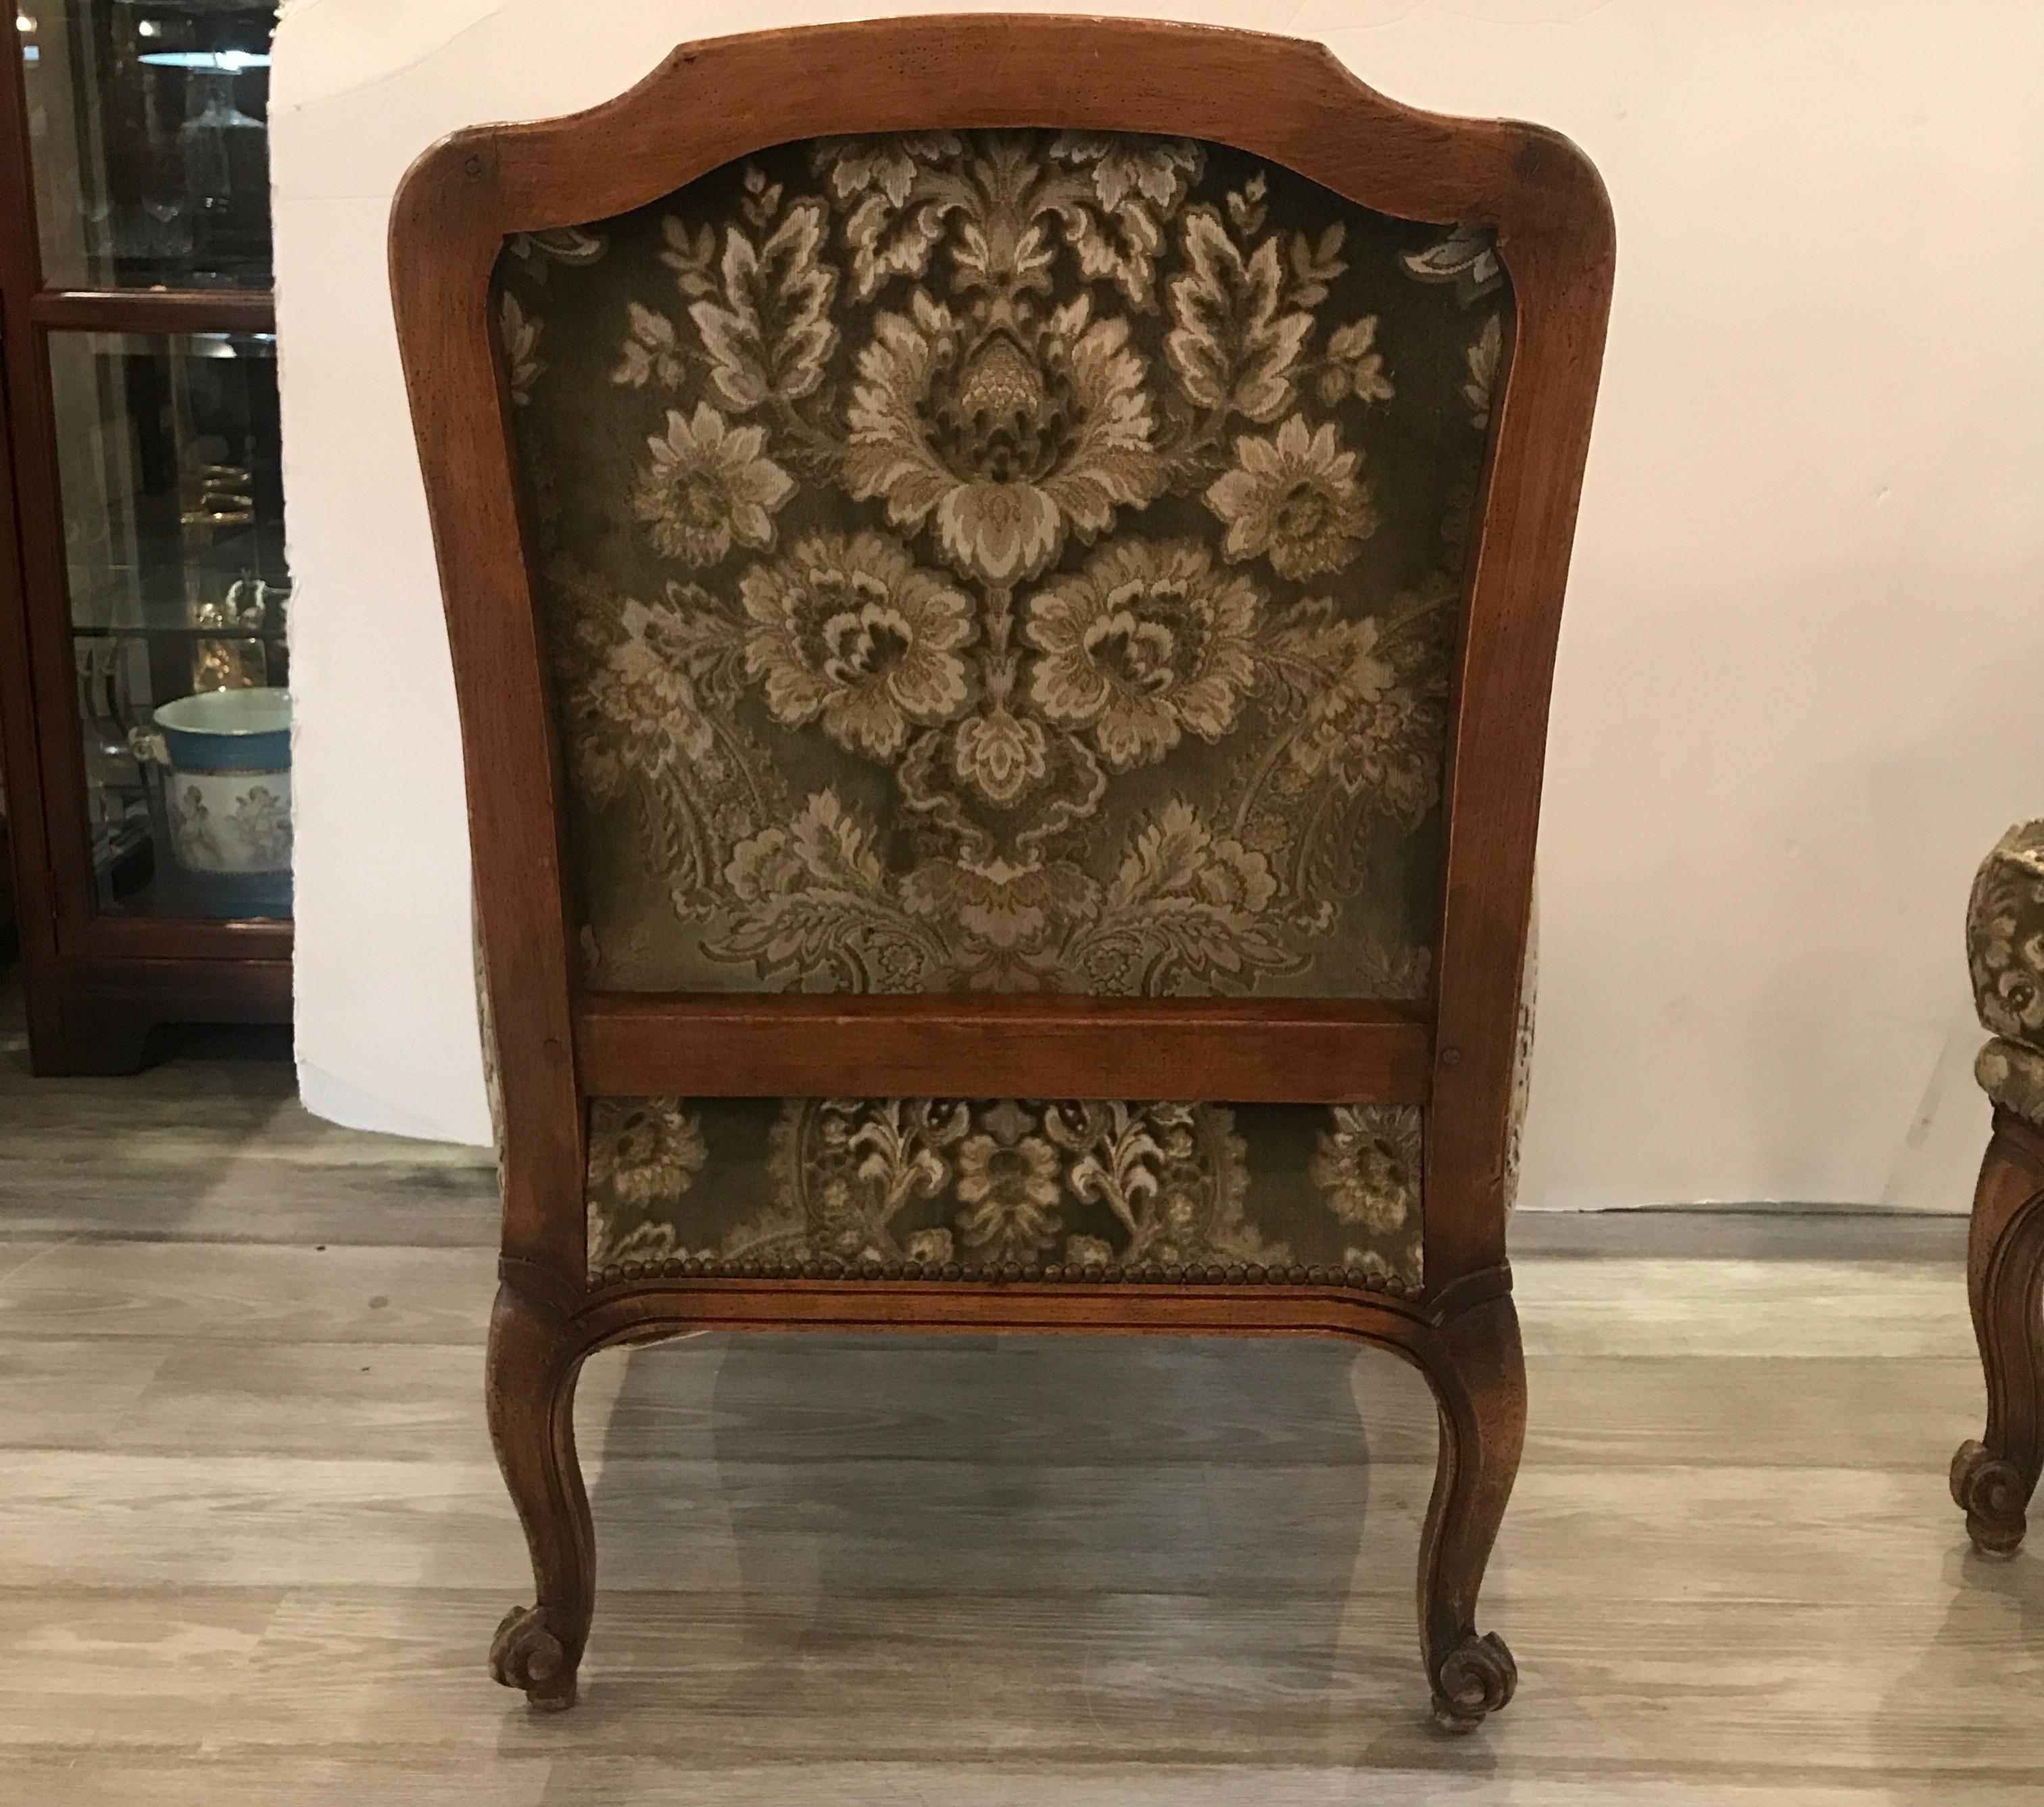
[
  {"x": 557, "y": 1044},
  {"x": 1994, "y": 1474}
]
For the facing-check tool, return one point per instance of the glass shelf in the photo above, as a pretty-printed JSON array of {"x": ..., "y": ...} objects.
[
  {"x": 169, "y": 463},
  {"x": 148, "y": 129}
]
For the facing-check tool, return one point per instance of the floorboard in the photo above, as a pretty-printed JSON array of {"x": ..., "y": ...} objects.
[{"x": 254, "y": 1543}]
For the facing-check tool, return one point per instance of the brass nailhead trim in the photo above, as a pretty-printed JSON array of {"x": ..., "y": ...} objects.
[{"x": 696, "y": 1267}]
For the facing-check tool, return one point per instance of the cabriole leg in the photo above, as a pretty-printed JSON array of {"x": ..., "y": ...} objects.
[
  {"x": 532, "y": 1365},
  {"x": 1993, "y": 1477},
  {"x": 1478, "y": 1374}
]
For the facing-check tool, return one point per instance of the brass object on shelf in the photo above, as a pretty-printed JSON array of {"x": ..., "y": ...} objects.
[{"x": 242, "y": 662}]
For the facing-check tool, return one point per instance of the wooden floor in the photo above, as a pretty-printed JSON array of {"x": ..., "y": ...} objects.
[{"x": 252, "y": 1544}]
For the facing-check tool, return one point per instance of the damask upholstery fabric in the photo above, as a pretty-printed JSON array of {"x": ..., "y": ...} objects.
[
  {"x": 2005, "y": 952},
  {"x": 2013, "y": 1077},
  {"x": 1001, "y": 561},
  {"x": 1522, "y": 1051},
  {"x": 963, "y": 1189}
]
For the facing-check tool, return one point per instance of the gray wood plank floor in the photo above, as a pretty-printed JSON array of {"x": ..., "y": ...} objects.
[{"x": 253, "y": 1543}]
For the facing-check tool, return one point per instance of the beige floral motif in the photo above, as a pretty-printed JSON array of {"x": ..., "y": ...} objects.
[
  {"x": 1173, "y": 1176},
  {"x": 1000, "y": 754},
  {"x": 1009, "y": 1190},
  {"x": 769, "y": 335},
  {"x": 1354, "y": 366},
  {"x": 878, "y": 177},
  {"x": 707, "y": 485},
  {"x": 1005, "y": 441},
  {"x": 1145, "y": 644},
  {"x": 2005, "y": 936},
  {"x": 2013, "y": 1075},
  {"x": 1368, "y": 1165},
  {"x": 651, "y": 352},
  {"x": 644, "y": 1154},
  {"x": 812, "y": 896},
  {"x": 1130, "y": 166},
  {"x": 1482, "y": 359},
  {"x": 848, "y": 1175},
  {"x": 2017, "y": 998},
  {"x": 1034, "y": 645},
  {"x": 563, "y": 244},
  {"x": 1188, "y": 908},
  {"x": 631, "y": 699},
  {"x": 519, "y": 335},
  {"x": 847, "y": 631},
  {"x": 1294, "y": 498},
  {"x": 1371, "y": 727},
  {"x": 1467, "y": 257},
  {"x": 998, "y": 918},
  {"x": 1139, "y": 182},
  {"x": 931, "y": 1247},
  {"x": 1235, "y": 344},
  {"x": 885, "y": 164}
]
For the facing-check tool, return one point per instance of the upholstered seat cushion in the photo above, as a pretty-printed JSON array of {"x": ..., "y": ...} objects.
[
  {"x": 964, "y": 1190},
  {"x": 2005, "y": 952}
]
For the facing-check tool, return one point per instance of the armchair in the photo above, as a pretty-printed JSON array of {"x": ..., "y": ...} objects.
[
  {"x": 1993, "y": 1477},
  {"x": 1003, "y": 576}
]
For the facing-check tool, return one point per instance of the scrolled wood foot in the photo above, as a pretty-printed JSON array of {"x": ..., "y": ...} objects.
[
  {"x": 1993, "y": 1495},
  {"x": 1474, "y": 1679},
  {"x": 534, "y": 1360},
  {"x": 525, "y": 1655},
  {"x": 1477, "y": 1370},
  {"x": 1994, "y": 1476}
]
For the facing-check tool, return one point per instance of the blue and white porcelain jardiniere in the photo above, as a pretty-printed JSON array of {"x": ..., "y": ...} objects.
[{"x": 227, "y": 789}]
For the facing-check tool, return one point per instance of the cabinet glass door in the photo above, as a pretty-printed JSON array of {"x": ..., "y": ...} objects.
[
  {"x": 146, "y": 132},
  {"x": 173, "y": 513},
  {"x": 149, "y": 167}
]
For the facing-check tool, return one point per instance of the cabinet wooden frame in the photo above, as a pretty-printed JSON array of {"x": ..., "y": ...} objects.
[
  {"x": 1288, "y": 102},
  {"x": 95, "y": 982}
]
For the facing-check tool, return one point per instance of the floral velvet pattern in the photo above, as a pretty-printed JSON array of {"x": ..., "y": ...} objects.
[
  {"x": 1002, "y": 561},
  {"x": 2005, "y": 952},
  {"x": 952, "y": 1188}
]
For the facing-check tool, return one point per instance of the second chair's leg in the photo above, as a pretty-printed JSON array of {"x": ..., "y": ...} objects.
[
  {"x": 1993, "y": 1479},
  {"x": 1478, "y": 1374},
  {"x": 531, "y": 1383}
]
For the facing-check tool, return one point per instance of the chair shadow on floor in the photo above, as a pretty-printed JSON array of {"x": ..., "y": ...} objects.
[
  {"x": 1072, "y": 1549},
  {"x": 1956, "y": 1694}
]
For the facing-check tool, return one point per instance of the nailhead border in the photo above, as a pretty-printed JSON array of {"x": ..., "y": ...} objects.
[{"x": 1109, "y": 1273}]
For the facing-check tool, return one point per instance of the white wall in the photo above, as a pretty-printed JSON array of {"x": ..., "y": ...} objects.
[{"x": 1797, "y": 698}]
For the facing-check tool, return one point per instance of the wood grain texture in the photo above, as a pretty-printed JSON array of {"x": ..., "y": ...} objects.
[
  {"x": 597, "y": 1779},
  {"x": 827, "y": 1400},
  {"x": 984, "y": 1570},
  {"x": 154, "y": 310},
  {"x": 214, "y": 1147},
  {"x": 1993, "y": 1476},
  {"x": 1294, "y": 1050}
]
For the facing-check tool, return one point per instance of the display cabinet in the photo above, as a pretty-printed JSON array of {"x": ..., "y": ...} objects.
[{"x": 144, "y": 700}]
